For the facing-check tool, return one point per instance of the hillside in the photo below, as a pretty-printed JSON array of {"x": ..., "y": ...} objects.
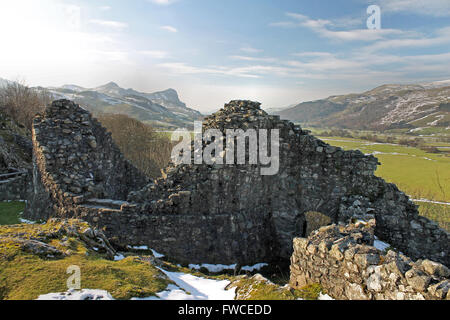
[
  {"x": 412, "y": 107},
  {"x": 160, "y": 109}
]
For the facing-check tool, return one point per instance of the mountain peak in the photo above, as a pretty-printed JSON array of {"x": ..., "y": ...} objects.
[{"x": 111, "y": 84}]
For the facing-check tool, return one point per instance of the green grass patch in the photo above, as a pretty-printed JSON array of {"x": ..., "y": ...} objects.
[
  {"x": 10, "y": 212},
  {"x": 25, "y": 276},
  {"x": 436, "y": 212},
  {"x": 417, "y": 173}
]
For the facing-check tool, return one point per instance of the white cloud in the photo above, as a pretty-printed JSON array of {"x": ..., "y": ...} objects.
[
  {"x": 162, "y": 2},
  {"x": 313, "y": 54},
  {"x": 169, "y": 28},
  {"x": 254, "y": 71},
  {"x": 249, "y": 49},
  {"x": 437, "y": 8},
  {"x": 104, "y": 8},
  {"x": 441, "y": 37},
  {"x": 325, "y": 29},
  {"x": 155, "y": 54},
  {"x": 109, "y": 23},
  {"x": 247, "y": 58}
]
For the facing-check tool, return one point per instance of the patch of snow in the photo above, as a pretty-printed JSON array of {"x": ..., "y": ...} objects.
[
  {"x": 119, "y": 257},
  {"x": 324, "y": 297},
  {"x": 156, "y": 254},
  {"x": 417, "y": 129},
  {"x": 199, "y": 288},
  {"x": 27, "y": 221},
  {"x": 146, "y": 248},
  {"x": 435, "y": 122},
  {"x": 84, "y": 294},
  {"x": 138, "y": 247},
  {"x": 430, "y": 201},
  {"x": 172, "y": 292},
  {"x": 380, "y": 245},
  {"x": 215, "y": 268},
  {"x": 257, "y": 266}
]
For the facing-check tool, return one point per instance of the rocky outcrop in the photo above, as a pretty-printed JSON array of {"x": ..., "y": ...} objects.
[
  {"x": 218, "y": 213},
  {"x": 344, "y": 261},
  {"x": 38, "y": 241}
]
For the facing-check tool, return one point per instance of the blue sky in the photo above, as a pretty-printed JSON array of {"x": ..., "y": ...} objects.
[{"x": 211, "y": 51}]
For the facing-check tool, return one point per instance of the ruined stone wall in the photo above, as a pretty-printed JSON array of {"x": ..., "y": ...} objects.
[
  {"x": 343, "y": 260},
  {"x": 15, "y": 185},
  {"x": 183, "y": 238},
  {"x": 313, "y": 176},
  {"x": 217, "y": 213},
  {"x": 75, "y": 159}
]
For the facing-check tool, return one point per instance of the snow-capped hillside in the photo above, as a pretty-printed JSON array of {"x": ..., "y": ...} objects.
[
  {"x": 3, "y": 82},
  {"x": 161, "y": 109},
  {"x": 385, "y": 107}
]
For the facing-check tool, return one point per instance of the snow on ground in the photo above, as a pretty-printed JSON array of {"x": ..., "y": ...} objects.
[
  {"x": 324, "y": 297},
  {"x": 257, "y": 266},
  {"x": 119, "y": 257},
  {"x": 138, "y": 247},
  {"x": 215, "y": 268},
  {"x": 172, "y": 292},
  {"x": 188, "y": 287},
  {"x": 199, "y": 288},
  {"x": 429, "y": 201},
  {"x": 27, "y": 221},
  {"x": 155, "y": 253},
  {"x": 380, "y": 245},
  {"x": 84, "y": 294}
]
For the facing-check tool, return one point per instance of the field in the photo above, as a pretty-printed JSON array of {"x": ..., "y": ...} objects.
[
  {"x": 419, "y": 174},
  {"x": 10, "y": 212}
]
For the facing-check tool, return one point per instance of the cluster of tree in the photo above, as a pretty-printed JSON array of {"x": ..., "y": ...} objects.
[
  {"x": 22, "y": 103},
  {"x": 337, "y": 133},
  {"x": 415, "y": 142},
  {"x": 147, "y": 149}
]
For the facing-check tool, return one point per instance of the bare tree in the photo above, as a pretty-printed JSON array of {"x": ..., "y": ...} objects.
[
  {"x": 22, "y": 103},
  {"x": 146, "y": 149}
]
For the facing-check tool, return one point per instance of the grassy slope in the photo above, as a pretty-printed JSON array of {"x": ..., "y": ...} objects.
[
  {"x": 420, "y": 174},
  {"x": 417, "y": 173},
  {"x": 26, "y": 276}
]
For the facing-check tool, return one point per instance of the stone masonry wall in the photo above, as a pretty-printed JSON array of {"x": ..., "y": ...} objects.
[
  {"x": 217, "y": 213},
  {"x": 75, "y": 159},
  {"x": 313, "y": 176},
  {"x": 347, "y": 265}
]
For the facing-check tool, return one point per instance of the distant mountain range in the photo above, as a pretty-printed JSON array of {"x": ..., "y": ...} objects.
[
  {"x": 163, "y": 109},
  {"x": 412, "y": 107},
  {"x": 3, "y": 82},
  {"x": 160, "y": 109}
]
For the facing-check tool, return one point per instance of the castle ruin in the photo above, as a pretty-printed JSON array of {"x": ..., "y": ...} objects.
[{"x": 218, "y": 213}]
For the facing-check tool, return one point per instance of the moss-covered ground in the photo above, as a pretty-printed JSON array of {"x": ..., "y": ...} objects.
[{"x": 25, "y": 276}]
